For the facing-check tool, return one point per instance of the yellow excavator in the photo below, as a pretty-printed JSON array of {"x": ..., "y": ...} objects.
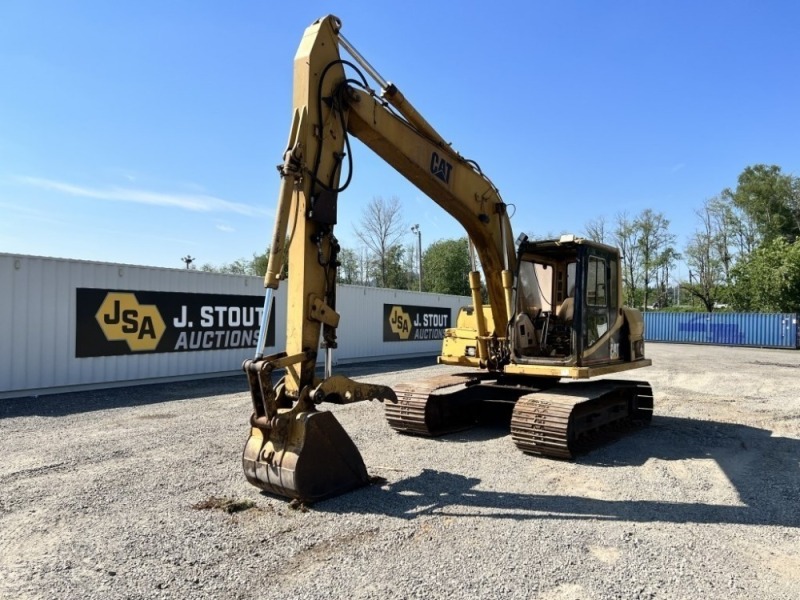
[{"x": 554, "y": 318}]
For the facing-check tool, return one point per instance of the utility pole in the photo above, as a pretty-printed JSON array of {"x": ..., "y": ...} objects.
[
  {"x": 188, "y": 259},
  {"x": 416, "y": 231}
]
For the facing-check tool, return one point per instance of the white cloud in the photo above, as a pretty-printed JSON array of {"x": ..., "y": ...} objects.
[
  {"x": 191, "y": 202},
  {"x": 225, "y": 228}
]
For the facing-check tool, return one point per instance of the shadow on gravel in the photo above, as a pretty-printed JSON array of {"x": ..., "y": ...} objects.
[
  {"x": 56, "y": 405},
  {"x": 763, "y": 469}
]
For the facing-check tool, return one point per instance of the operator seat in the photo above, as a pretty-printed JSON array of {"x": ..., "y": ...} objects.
[{"x": 566, "y": 310}]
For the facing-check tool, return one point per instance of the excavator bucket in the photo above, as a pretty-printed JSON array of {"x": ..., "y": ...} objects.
[
  {"x": 293, "y": 449},
  {"x": 306, "y": 456}
]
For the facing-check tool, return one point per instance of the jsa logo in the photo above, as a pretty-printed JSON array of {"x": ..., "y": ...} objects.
[
  {"x": 123, "y": 319},
  {"x": 400, "y": 322}
]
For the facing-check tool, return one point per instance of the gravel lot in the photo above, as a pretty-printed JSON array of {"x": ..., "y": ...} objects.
[{"x": 99, "y": 494}]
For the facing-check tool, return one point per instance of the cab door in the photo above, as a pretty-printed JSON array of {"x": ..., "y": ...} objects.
[{"x": 600, "y": 307}]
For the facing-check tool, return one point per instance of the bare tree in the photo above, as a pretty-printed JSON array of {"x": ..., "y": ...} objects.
[
  {"x": 721, "y": 224},
  {"x": 597, "y": 230},
  {"x": 708, "y": 253},
  {"x": 364, "y": 266},
  {"x": 625, "y": 236},
  {"x": 381, "y": 228}
]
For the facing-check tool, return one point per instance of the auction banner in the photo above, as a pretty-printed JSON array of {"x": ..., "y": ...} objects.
[
  {"x": 118, "y": 322},
  {"x": 406, "y": 323}
]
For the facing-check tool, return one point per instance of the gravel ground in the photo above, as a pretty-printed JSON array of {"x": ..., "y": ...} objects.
[{"x": 99, "y": 497}]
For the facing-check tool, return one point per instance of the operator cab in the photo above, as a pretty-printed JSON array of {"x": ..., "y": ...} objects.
[{"x": 567, "y": 305}]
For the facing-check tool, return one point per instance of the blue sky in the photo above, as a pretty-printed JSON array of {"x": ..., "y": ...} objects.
[{"x": 139, "y": 132}]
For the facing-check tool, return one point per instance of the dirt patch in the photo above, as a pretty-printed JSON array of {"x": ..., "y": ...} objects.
[{"x": 228, "y": 505}]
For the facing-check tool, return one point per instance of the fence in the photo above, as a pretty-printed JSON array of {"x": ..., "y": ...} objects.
[{"x": 764, "y": 330}]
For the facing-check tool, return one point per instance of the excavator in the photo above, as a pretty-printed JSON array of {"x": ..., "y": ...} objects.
[{"x": 553, "y": 323}]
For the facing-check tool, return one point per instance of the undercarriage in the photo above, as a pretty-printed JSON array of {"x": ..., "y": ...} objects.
[{"x": 549, "y": 418}]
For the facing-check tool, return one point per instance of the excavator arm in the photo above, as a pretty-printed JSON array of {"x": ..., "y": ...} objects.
[
  {"x": 290, "y": 441},
  {"x": 327, "y": 107}
]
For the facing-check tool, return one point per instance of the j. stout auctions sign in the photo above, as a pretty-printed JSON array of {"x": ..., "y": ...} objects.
[
  {"x": 404, "y": 323},
  {"x": 115, "y": 322}
]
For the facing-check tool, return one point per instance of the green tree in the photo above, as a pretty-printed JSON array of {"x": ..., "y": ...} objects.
[
  {"x": 411, "y": 265},
  {"x": 769, "y": 279},
  {"x": 349, "y": 267},
  {"x": 241, "y": 266},
  {"x": 647, "y": 250},
  {"x": 397, "y": 276},
  {"x": 258, "y": 265},
  {"x": 655, "y": 249},
  {"x": 665, "y": 263},
  {"x": 445, "y": 267},
  {"x": 770, "y": 199}
]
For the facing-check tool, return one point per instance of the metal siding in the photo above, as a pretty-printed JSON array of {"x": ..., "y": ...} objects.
[
  {"x": 37, "y": 322},
  {"x": 24, "y": 354},
  {"x": 64, "y": 327},
  {"x": 361, "y": 327},
  {"x": 767, "y": 330},
  {"x": 38, "y": 329},
  {"x": 7, "y": 312}
]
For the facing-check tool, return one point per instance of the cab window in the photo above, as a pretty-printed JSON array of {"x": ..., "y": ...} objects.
[
  {"x": 596, "y": 282},
  {"x": 536, "y": 285}
]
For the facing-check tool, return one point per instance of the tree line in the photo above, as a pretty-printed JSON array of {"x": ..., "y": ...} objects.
[
  {"x": 386, "y": 257},
  {"x": 743, "y": 255}
]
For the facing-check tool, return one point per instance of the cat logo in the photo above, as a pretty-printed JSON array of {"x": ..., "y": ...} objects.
[
  {"x": 123, "y": 319},
  {"x": 440, "y": 167},
  {"x": 400, "y": 322}
]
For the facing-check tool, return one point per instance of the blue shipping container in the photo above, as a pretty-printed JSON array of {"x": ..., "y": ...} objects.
[{"x": 773, "y": 330}]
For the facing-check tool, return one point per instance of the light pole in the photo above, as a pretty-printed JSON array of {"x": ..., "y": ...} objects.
[
  {"x": 188, "y": 259},
  {"x": 416, "y": 231}
]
